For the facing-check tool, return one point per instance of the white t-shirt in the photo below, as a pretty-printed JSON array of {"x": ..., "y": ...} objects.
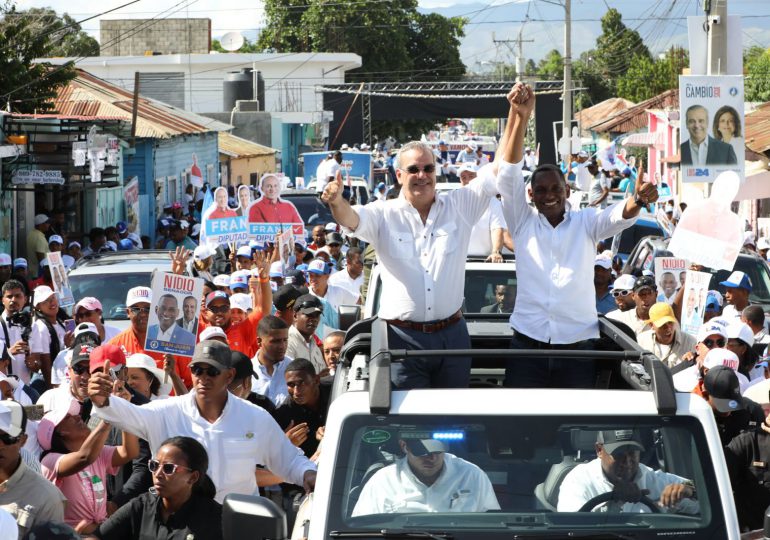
[
  {"x": 337, "y": 296},
  {"x": 461, "y": 487},
  {"x": 40, "y": 339},
  {"x": 480, "y": 244},
  {"x": 597, "y": 188},
  {"x": 343, "y": 279}
]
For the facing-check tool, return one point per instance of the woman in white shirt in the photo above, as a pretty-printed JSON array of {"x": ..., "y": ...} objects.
[{"x": 47, "y": 326}]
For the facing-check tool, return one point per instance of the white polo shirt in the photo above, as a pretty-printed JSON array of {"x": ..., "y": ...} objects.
[
  {"x": 342, "y": 279},
  {"x": 243, "y": 437},
  {"x": 587, "y": 481},
  {"x": 271, "y": 386},
  {"x": 461, "y": 487},
  {"x": 423, "y": 264}
]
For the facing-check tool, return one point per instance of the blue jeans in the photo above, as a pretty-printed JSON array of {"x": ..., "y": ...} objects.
[
  {"x": 432, "y": 372},
  {"x": 547, "y": 372}
]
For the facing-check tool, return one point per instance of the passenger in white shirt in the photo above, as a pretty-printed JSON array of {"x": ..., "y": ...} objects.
[
  {"x": 319, "y": 273},
  {"x": 302, "y": 341},
  {"x": 270, "y": 361},
  {"x": 427, "y": 480},
  {"x": 645, "y": 294},
  {"x": 351, "y": 277},
  {"x": 617, "y": 470},
  {"x": 488, "y": 235},
  {"x": 237, "y": 435},
  {"x": 421, "y": 240},
  {"x": 555, "y": 255}
]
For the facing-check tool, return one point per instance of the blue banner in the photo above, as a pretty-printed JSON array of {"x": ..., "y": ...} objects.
[{"x": 353, "y": 164}]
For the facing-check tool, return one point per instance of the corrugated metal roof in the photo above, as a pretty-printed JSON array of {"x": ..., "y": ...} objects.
[
  {"x": 600, "y": 112},
  {"x": 757, "y": 132},
  {"x": 92, "y": 97},
  {"x": 237, "y": 147},
  {"x": 635, "y": 118}
]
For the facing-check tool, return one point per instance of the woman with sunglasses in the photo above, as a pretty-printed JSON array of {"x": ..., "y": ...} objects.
[{"x": 180, "y": 504}]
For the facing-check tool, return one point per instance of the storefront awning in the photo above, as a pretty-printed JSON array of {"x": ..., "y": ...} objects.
[{"x": 642, "y": 139}]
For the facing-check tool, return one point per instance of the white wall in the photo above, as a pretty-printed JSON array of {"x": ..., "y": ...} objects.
[{"x": 289, "y": 78}]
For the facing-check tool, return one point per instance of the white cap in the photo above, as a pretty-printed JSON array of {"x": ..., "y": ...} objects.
[
  {"x": 243, "y": 251},
  {"x": 624, "y": 283},
  {"x": 183, "y": 224},
  {"x": 212, "y": 332},
  {"x": 73, "y": 244},
  {"x": 21, "y": 262},
  {"x": 5, "y": 259},
  {"x": 196, "y": 230},
  {"x": 143, "y": 361},
  {"x": 738, "y": 330},
  {"x": 276, "y": 269},
  {"x": 222, "y": 280},
  {"x": 240, "y": 301},
  {"x": 11, "y": 417},
  {"x": 330, "y": 227},
  {"x": 604, "y": 262},
  {"x": 716, "y": 326},
  {"x": 759, "y": 392},
  {"x": 344, "y": 146},
  {"x": 55, "y": 238},
  {"x": 84, "y": 327},
  {"x": 582, "y": 153},
  {"x": 42, "y": 293},
  {"x": 721, "y": 357},
  {"x": 472, "y": 145},
  {"x": 68, "y": 261},
  {"x": 239, "y": 279},
  {"x": 138, "y": 295},
  {"x": 204, "y": 251},
  {"x": 763, "y": 243},
  {"x": 467, "y": 167},
  {"x": 40, "y": 219}
]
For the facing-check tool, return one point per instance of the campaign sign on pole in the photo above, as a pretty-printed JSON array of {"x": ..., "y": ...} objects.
[
  {"x": 61, "y": 282},
  {"x": 223, "y": 224},
  {"x": 175, "y": 300},
  {"x": 669, "y": 275},
  {"x": 131, "y": 198},
  {"x": 694, "y": 302},
  {"x": 712, "y": 126},
  {"x": 270, "y": 215},
  {"x": 286, "y": 249}
]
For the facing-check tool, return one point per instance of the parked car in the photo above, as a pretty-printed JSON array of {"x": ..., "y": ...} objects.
[
  {"x": 312, "y": 211},
  {"x": 109, "y": 276},
  {"x": 624, "y": 242},
  {"x": 649, "y": 248},
  {"x": 359, "y": 185}
]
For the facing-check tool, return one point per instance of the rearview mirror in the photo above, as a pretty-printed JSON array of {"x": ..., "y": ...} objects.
[
  {"x": 349, "y": 315},
  {"x": 251, "y": 516}
]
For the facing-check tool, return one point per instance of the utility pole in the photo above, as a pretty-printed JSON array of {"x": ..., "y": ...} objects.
[
  {"x": 567, "y": 91},
  {"x": 518, "y": 53},
  {"x": 716, "y": 24}
]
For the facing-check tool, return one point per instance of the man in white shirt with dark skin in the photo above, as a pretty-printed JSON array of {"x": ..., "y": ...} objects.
[
  {"x": 556, "y": 246},
  {"x": 421, "y": 239},
  {"x": 237, "y": 435},
  {"x": 351, "y": 277},
  {"x": 427, "y": 479}
]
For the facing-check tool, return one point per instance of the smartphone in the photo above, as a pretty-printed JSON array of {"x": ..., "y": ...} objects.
[{"x": 69, "y": 325}]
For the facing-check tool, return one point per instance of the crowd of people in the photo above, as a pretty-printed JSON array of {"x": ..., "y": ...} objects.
[{"x": 135, "y": 443}]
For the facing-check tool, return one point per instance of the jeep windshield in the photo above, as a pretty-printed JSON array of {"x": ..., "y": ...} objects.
[{"x": 522, "y": 477}]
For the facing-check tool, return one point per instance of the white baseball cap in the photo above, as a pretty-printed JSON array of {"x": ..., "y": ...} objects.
[
  {"x": 721, "y": 357},
  {"x": 42, "y": 293},
  {"x": 624, "y": 283},
  {"x": 276, "y": 269},
  {"x": 11, "y": 417},
  {"x": 212, "y": 332},
  {"x": 240, "y": 301},
  {"x": 222, "y": 280},
  {"x": 717, "y": 326},
  {"x": 467, "y": 167},
  {"x": 604, "y": 262},
  {"x": 239, "y": 279},
  {"x": 5, "y": 259},
  {"x": 739, "y": 330},
  {"x": 138, "y": 295},
  {"x": 204, "y": 251},
  {"x": 330, "y": 227},
  {"x": 763, "y": 243},
  {"x": 40, "y": 219},
  {"x": 55, "y": 238},
  {"x": 143, "y": 361},
  {"x": 21, "y": 262},
  {"x": 243, "y": 251}
]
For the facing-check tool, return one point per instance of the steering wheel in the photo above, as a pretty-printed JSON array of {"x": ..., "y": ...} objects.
[{"x": 605, "y": 497}]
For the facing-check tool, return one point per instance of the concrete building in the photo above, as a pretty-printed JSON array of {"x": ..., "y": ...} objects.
[{"x": 135, "y": 37}]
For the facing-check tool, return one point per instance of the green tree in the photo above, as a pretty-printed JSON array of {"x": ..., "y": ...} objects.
[
  {"x": 26, "y": 86},
  {"x": 617, "y": 49},
  {"x": 247, "y": 47},
  {"x": 552, "y": 66},
  {"x": 530, "y": 68},
  {"x": 757, "y": 68},
  {"x": 658, "y": 75}
]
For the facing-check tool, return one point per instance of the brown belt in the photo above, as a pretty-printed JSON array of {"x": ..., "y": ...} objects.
[{"x": 427, "y": 328}]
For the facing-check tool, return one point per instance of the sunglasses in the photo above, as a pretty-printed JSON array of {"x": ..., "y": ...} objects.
[
  {"x": 415, "y": 169},
  {"x": 199, "y": 370},
  {"x": 85, "y": 313},
  {"x": 7, "y": 440},
  {"x": 81, "y": 368},
  {"x": 168, "y": 468},
  {"x": 621, "y": 293},
  {"x": 136, "y": 310},
  {"x": 711, "y": 343},
  {"x": 219, "y": 309}
]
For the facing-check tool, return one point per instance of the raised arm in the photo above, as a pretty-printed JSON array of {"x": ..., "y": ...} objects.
[
  {"x": 341, "y": 210},
  {"x": 645, "y": 193},
  {"x": 126, "y": 451},
  {"x": 74, "y": 462},
  {"x": 522, "y": 102}
]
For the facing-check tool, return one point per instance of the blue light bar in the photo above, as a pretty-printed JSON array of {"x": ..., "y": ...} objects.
[{"x": 449, "y": 435}]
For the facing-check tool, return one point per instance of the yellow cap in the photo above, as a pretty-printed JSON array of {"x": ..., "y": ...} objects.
[{"x": 660, "y": 314}]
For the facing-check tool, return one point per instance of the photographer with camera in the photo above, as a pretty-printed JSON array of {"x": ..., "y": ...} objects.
[
  {"x": 48, "y": 335},
  {"x": 15, "y": 327}
]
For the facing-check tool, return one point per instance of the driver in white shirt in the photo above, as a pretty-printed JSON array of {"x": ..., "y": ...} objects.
[
  {"x": 427, "y": 479},
  {"x": 617, "y": 470}
]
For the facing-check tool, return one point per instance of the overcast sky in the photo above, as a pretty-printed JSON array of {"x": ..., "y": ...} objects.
[{"x": 661, "y": 23}]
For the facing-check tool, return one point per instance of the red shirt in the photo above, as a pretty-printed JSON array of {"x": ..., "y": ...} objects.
[
  {"x": 217, "y": 213},
  {"x": 129, "y": 342},
  {"x": 267, "y": 211},
  {"x": 242, "y": 336}
]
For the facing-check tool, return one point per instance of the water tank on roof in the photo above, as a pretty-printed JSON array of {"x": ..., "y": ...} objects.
[
  {"x": 261, "y": 91},
  {"x": 238, "y": 85}
]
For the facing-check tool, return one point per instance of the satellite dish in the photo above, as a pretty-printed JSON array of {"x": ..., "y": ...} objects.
[{"x": 232, "y": 41}]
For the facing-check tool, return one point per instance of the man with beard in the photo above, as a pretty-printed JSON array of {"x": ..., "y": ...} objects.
[
  {"x": 302, "y": 340},
  {"x": 645, "y": 294},
  {"x": 617, "y": 469}
]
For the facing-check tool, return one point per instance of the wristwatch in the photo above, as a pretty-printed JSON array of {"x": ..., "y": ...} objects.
[{"x": 639, "y": 201}]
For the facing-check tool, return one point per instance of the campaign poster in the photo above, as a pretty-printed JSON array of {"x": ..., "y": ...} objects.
[
  {"x": 270, "y": 215},
  {"x": 356, "y": 164},
  {"x": 131, "y": 198},
  {"x": 286, "y": 249},
  {"x": 670, "y": 274},
  {"x": 61, "y": 282},
  {"x": 712, "y": 127},
  {"x": 223, "y": 224},
  {"x": 696, "y": 288},
  {"x": 176, "y": 303}
]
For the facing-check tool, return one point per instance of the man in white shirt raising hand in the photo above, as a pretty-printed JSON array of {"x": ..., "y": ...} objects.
[
  {"x": 555, "y": 256},
  {"x": 421, "y": 239}
]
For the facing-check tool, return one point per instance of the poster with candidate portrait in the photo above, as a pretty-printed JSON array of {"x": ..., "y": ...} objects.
[
  {"x": 225, "y": 224},
  {"x": 696, "y": 287},
  {"x": 670, "y": 274},
  {"x": 270, "y": 215},
  {"x": 286, "y": 249},
  {"x": 712, "y": 126},
  {"x": 61, "y": 282},
  {"x": 176, "y": 305}
]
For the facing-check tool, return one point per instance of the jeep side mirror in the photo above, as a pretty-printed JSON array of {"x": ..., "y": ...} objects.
[
  {"x": 766, "y": 534},
  {"x": 251, "y": 516},
  {"x": 349, "y": 315}
]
